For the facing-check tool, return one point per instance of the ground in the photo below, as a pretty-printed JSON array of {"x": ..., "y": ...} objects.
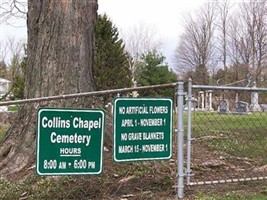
[
  {"x": 130, "y": 180},
  {"x": 144, "y": 179}
]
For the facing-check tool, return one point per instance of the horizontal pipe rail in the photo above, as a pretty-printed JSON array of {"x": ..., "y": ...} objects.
[
  {"x": 87, "y": 94},
  {"x": 228, "y": 181},
  {"x": 210, "y": 87}
]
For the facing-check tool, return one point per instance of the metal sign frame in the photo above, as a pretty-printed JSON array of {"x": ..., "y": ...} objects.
[
  {"x": 142, "y": 129},
  {"x": 69, "y": 141}
]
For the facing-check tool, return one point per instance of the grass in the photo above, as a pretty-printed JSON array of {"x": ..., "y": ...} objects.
[
  {"x": 230, "y": 122},
  {"x": 230, "y": 196},
  {"x": 236, "y": 135},
  {"x": 13, "y": 108},
  {"x": 138, "y": 179},
  {"x": 36, "y": 187},
  {"x": 33, "y": 187}
]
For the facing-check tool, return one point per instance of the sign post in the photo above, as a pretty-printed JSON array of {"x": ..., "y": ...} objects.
[
  {"x": 69, "y": 141},
  {"x": 142, "y": 129}
]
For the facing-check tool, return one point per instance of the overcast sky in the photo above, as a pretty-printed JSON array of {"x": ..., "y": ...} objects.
[
  {"x": 163, "y": 15},
  {"x": 166, "y": 16}
]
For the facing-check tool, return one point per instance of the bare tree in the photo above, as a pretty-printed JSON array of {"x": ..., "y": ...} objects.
[
  {"x": 60, "y": 55},
  {"x": 223, "y": 26},
  {"x": 12, "y": 9},
  {"x": 3, "y": 50},
  {"x": 10, "y": 69},
  {"x": 11, "y": 46},
  {"x": 248, "y": 38},
  {"x": 138, "y": 40},
  {"x": 196, "y": 48},
  {"x": 254, "y": 17},
  {"x": 16, "y": 47},
  {"x": 9, "y": 10}
]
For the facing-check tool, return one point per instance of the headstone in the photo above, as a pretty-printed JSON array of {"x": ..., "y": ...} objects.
[
  {"x": 208, "y": 104},
  {"x": 135, "y": 93},
  {"x": 254, "y": 106},
  {"x": 242, "y": 107},
  {"x": 223, "y": 106},
  {"x": 202, "y": 100},
  {"x": 236, "y": 97},
  {"x": 206, "y": 100},
  {"x": 194, "y": 104},
  {"x": 264, "y": 107}
]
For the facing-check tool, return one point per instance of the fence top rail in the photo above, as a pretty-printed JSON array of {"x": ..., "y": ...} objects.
[
  {"x": 87, "y": 94},
  {"x": 210, "y": 87}
]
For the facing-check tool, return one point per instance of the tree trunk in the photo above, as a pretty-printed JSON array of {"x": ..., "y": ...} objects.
[{"x": 60, "y": 54}]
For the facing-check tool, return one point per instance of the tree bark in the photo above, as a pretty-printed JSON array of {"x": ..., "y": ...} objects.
[{"x": 60, "y": 55}]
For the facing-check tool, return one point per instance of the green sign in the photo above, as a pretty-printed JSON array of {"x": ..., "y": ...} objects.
[
  {"x": 69, "y": 141},
  {"x": 142, "y": 129}
]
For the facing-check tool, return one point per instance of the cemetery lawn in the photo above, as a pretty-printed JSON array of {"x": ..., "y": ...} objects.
[
  {"x": 157, "y": 179},
  {"x": 236, "y": 135}
]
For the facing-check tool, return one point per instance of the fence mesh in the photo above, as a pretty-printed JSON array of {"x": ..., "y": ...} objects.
[
  {"x": 229, "y": 142},
  {"x": 118, "y": 180}
]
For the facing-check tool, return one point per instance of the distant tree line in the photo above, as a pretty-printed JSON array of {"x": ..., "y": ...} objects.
[
  {"x": 116, "y": 67},
  {"x": 224, "y": 42},
  {"x": 15, "y": 70},
  {"x": 113, "y": 65}
]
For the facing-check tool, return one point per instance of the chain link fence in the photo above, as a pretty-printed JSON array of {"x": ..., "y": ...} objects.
[
  {"x": 228, "y": 130},
  {"x": 18, "y": 179},
  {"x": 225, "y": 133}
]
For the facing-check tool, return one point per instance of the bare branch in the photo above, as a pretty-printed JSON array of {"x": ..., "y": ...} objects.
[
  {"x": 139, "y": 40},
  {"x": 196, "y": 45},
  {"x": 3, "y": 50},
  {"x": 10, "y": 9}
]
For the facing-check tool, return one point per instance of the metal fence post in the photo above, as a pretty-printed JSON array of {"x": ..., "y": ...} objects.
[
  {"x": 189, "y": 126},
  {"x": 180, "y": 137}
]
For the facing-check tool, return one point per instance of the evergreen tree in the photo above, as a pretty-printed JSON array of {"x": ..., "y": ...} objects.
[
  {"x": 110, "y": 69},
  {"x": 152, "y": 71},
  {"x": 19, "y": 80},
  {"x": 3, "y": 69},
  {"x": 15, "y": 73}
]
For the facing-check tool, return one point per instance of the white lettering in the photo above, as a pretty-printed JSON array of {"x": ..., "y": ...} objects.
[
  {"x": 127, "y": 123},
  {"x": 134, "y": 136},
  {"x": 55, "y": 122},
  {"x": 137, "y": 110},
  {"x": 151, "y": 122},
  {"x": 70, "y": 151},
  {"x": 153, "y": 148},
  {"x": 153, "y": 136},
  {"x": 75, "y": 138},
  {"x": 52, "y": 139},
  {"x": 126, "y": 149},
  {"x": 87, "y": 124},
  {"x": 158, "y": 109},
  {"x": 44, "y": 120}
]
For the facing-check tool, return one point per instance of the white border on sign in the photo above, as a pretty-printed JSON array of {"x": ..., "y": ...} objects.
[
  {"x": 114, "y": 128},
  {"x": 69, "y": 110}
]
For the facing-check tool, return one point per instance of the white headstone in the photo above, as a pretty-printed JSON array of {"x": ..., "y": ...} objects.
[{"x": 254, "y": 106}]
